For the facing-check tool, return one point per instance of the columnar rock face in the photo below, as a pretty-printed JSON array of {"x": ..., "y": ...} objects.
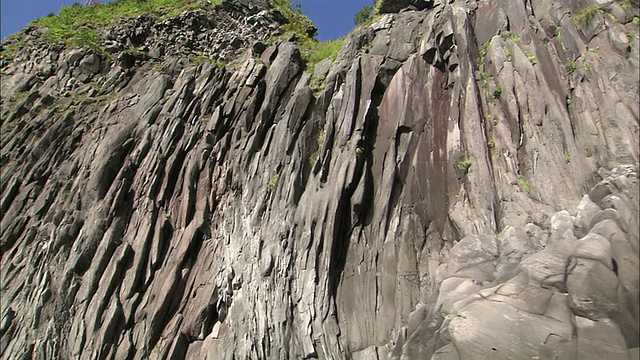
[{"x": 464, "y": 186}]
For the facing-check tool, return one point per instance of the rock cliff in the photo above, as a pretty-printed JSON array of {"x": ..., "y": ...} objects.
[{"x": 459, "y": 182}]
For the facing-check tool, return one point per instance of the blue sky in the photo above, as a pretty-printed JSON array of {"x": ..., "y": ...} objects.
[{"x": 333, "y": 18}]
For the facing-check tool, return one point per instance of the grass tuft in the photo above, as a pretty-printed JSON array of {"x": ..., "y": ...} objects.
[
  {"x": 464, "y": 165},
  {"x": 511, "y": 35},
  {"x": 497, "y": 92},
  {"x": 585, "y": 16},
  {"x": 273, "y": 182},
  {"x": 524, "y": 185},
  {"x": 314, "y": 51}
]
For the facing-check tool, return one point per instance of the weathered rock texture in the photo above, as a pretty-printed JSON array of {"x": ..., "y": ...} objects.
[{"x": 444, "y": 196}]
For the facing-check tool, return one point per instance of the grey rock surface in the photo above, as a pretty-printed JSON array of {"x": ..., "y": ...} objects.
[{"x": 464, "y": 186}]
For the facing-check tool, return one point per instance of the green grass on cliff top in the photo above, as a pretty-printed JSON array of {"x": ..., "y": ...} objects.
[{"x": 75, "y": 25}]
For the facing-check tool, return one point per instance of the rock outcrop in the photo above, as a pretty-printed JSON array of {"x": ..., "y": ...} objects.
[{"x": 464, "y": 185}]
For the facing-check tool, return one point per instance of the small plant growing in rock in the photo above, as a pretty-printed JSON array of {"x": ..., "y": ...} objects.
[
  {"x": 483, "y": 53},
  {"x": 595, "y": 51},
  {"x": 313, "y": 158},
  {"x": 511, "y": 35},
  {"x": 317, "y": 84},
  {"x": 585, "y": 16},
  {"x": 320, "y": 138},
  {"x": 532, "y": 58},
  {"x": 313, "y": 51},
  {"x": 507, "y": 51},
  {"x": 636, "y": 20},
  {"x": 199, "y": 59},
  {"x": 559, "y": 36},
  {"x": 492, "y": 143},
  {"x": 585, "y": 64},
  {"x": 359, "y": 150},
  {"x": 567, "y": 158},
  {"x": 571, "y": 67},
  {"x": 497, "y": 92},
  {"x": 524, "y": 185},
  {"x": 484, "y": 77},
  {"x": 464, "y": 165},
  {"x": 626, "y": 4},
  {"x": 273, "y": 181},
  {"x": 365, "y": 49}
]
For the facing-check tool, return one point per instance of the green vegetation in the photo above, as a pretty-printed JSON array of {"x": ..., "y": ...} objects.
[
  {"x": 524, "y": 185},
  {"x": 317, "y": 84},
  {"x": 567, "y": 158},
  {"x": 314, "y": 51},
  {"x": 320, "y": 137},
  {"x": 368, "y": 14},
  {"x": 511, "y": 35},
  {"x": 507, "y": 51},
  {"x": 559, "y": 36},
  {"x": 585, "y": 63},
  {"x": 273, "y": 181},
  {"x": 10, "y": 47},
  {"x": 76, "y": 25},
  {"x": 569, "y": 102},
  {"x": 585, "y": 16},
  {"x": 313, "y": 158},
  {"x": 85, "y": 98},
  {"x": 484, "y": 77},
  {"x": 626, "y": 4},
  {"x": 636, "y": 20},
  {"x": 497, "y": 92},
  {"x": 532, "y": 58},
  {"x": 201, "y": 59},
  {"x": 364, "y": 16},
  {"x": 464, "y": 165},
  {"x": 297, "y": 22},
  {"x": 483, "y": 54},
  {"x": 16, "y": 97},
  {"x": 571, "y": 67},
  {"x": 492, "y": 143},
  {"x": 365, "y": 49},
  {"x": 66, "y": 193},
  {"x": 359, "y": 150}
]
